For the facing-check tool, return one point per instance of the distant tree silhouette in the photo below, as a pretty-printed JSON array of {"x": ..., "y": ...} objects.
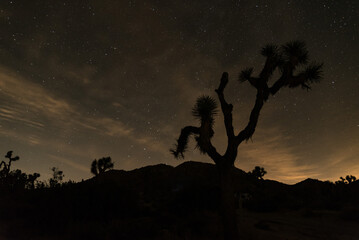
[
  {"x": 287, "y": 59},
  {"x": 6, "y": 167},
  {"x": 258, "y": 172},
  {"x": 31, "y": 178},
  {"x": 16, "y": 179},
  {"x": 57, "y": 177},
  {"x": 101, "y": 165},
  {"x": 350, "y": 178},
  {"x": 347, "y": 180}
]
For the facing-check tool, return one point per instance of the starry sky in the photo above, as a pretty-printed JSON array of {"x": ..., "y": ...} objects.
[{"x": 81, "y": 80}]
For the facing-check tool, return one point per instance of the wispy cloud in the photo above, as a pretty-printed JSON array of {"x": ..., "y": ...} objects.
[
  {"x": 72, "y": 164},
  {"x": 271, "y": 150},
  {"x": 45, "y": 119},
  {"x": 29, "y": 101}
]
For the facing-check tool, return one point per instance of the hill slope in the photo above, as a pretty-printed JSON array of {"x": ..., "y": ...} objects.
[{"x": 160, "y": 202}]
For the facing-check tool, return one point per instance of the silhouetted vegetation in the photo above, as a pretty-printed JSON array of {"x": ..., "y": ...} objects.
[
  {"x": 164, "y": 202},
  {"x": 258, "y": 172},
  {"x": 57, "y": 177},
  {"x": 6, "y": 166},
  {"x": 347, "y": 180},
  {"x": 286, "y": 59},
  {"x": 101, "y": 165},
  {"x": 191, "y": 200},
  {"x": 15, "y": 180}
]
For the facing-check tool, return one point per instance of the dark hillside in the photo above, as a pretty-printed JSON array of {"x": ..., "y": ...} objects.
[{"x": 160, "y": 202}]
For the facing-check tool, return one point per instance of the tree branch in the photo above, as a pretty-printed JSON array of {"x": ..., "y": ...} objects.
[
  {"x": 3, "y": 163},
  {"x": 226, "y": 108},
  {"x": 313, "y": 73},
  {"x": 204, "y": 141},
  {"x": 287, "y": 72},
  {"x": 211, "y": 151},
  {"x": 272, "y": 61},
  {"x": 248, "y": 131},
  {"x": 182, "y": 141}
]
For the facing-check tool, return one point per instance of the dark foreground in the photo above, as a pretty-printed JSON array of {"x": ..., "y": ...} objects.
[{"x": 162, "y": 202}]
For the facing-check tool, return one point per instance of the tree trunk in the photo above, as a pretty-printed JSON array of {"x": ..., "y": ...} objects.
[{"x": 228, "y": 206}]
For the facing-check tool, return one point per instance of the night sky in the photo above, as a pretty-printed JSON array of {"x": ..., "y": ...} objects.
[{"x": 81, "y": 80}]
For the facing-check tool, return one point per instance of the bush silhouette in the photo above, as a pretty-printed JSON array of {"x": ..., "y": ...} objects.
[{"x": 101, "y": 165}]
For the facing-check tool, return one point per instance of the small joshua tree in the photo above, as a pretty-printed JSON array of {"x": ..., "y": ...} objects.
[
  {"x": 287, "y": 59},
  {"x": 31, "y": 178},
  {"x": 6, "y": 167},
  {"x": 258, "y": 172},
  {"x": 15, "y": 179},
  {"x": 101, "y": 165},
  {"x": 57, "y": 177},
  {"x": 347, "y": 180}
]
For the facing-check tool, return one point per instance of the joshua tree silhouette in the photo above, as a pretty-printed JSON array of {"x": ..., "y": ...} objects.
[
  {"x": 31, "y": 178},
  {"x": 258, "y": 172},
  {"x": 101, "y": 165},
  {"x": 287, "y": 59},
  {"x": 347, "y": 180},
  {"x": 6, "y": 167},
  {"x": 57, "y": 177},
  {"x": 15, "y": 179}
]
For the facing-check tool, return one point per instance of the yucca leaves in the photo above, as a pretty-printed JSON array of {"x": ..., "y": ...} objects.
[
  {"x": 205, "y": 108},
  {"x": 274, "y": 59},
  {"x": 314, "y": 72},
  {"x": 295, "y": 52},
  {"x": 269, "y": 50},
  {"x": 286, "y": 59},
  {"x": 182, "y": 141},
  {"x": 245, "y": 74}
]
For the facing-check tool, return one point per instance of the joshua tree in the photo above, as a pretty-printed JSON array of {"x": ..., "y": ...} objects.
[
  {"x": 15, "y": 179},
  {"x": 101, "y": 165},
  {"x": 57, "y": 177},
  {"x": 350, "y": 178},
  {"x": 258, "y": 172},
  {"x": 31, "y": 178},
  {"x": 6, "y": 167},
  {"x": 347, "y": 180},
  {"x": 287, "y": 59}
]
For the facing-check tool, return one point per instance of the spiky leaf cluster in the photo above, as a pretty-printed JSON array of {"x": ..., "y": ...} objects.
[
  {"x": 245, "y": 74},
  {"x": 314, "y": 72},
  {"x": 269, "y": 50},
  {"x": 295, "y": 52},
  {"x": 182, "y": 141},
  {"x": 205, "y": 109}
]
